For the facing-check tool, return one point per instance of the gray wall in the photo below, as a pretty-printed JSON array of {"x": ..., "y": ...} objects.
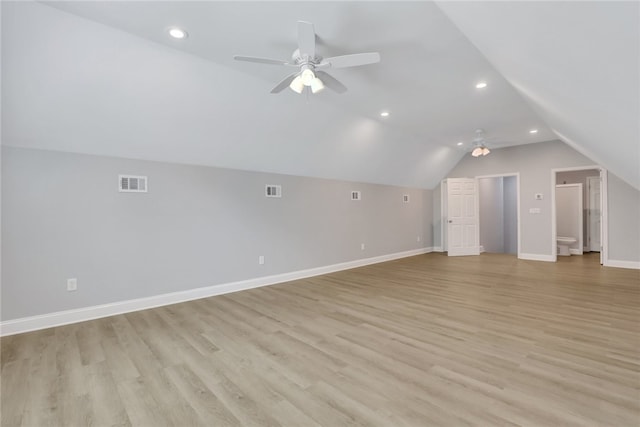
[
  {"x": 437, "y": 218},
  {"x": 427, "y": 217},
  {"x": 63, "y": 217},
  {"x": 510, "y": 214},
  {"x": 534, "y": 163},
  {"x": 491, "y": 214},
  {"x": 624, "y": 220}
]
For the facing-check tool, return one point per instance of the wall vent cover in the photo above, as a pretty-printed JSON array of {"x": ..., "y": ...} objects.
[
  {"x": 132, "y": 184},
  {"x": 356, "y": 195},
  {"x": 273, "y": 190},
  {"x": 405, "y": 198}
]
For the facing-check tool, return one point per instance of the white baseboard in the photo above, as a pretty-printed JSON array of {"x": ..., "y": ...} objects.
[
  {"x": 33, "y": 323},
  {"x": 575, "y": 251},
  {"x": 437, "y": 249},
  {"x": 622, "y": 264},
  {"x": 482, "y": 249},
  {"x": 536, "y": 257}
]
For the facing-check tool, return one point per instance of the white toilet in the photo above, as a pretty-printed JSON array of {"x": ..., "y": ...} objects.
[{"x": 563, "y": 245}]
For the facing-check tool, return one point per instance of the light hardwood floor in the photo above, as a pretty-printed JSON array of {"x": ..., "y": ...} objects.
[{"x": 421, "y": 341}]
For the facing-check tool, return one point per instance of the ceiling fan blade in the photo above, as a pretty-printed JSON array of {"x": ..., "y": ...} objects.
[
  {"x": 330, "y": 82},
  {"x": 306, "y": 39},
  {"x": 352, "y": 60},
  {"x": 260, "y": 60},
  {"x": 284, "y": 83}
]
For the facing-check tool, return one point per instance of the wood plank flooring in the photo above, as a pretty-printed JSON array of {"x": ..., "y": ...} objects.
[{"x": 421, "y": 341}]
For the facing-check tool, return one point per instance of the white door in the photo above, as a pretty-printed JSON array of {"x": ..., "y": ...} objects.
[
  {"x": 462, "y": 217},
  {"x": 594, "y": 213}
]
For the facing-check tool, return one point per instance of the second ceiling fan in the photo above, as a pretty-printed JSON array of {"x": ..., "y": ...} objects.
[{"x": 309, "y": 74}]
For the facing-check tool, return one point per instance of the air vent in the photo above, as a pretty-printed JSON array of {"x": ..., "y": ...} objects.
[
  {"x": 405, "y": 198},
  {"x": 355, "y": 195},
  {"x": 273, "y": 190},
  {"x": 132, "y": 184}
]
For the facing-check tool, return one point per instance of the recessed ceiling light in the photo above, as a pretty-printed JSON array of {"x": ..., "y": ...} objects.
[
  {"x": 533, "y": 131},
  {"x": 481, "y": 85},
  {"x": 460, "y": 143},
  {"x": 385, "y": 114},
  {"x": 177, "y": 33}
]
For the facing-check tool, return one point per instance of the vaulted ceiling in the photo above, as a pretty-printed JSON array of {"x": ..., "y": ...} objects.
[{"x": 103, "y": 77}]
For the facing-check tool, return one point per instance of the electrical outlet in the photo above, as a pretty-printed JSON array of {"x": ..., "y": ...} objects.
[
  {"x": 418, "y": 239},
  {"x": 261, "y": 259},
  {"x": 72, "y": 284},
  {"x": 362, "y": 246}
]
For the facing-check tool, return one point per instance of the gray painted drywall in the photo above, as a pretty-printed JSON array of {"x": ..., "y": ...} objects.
[
  {"x": 510, "y": 214},
  {"x": 437, "y": 217},
  {"x": 534, "y": 162},
  {"x": 491, "y": 214},
  {"x": 427, "y": 217},
  {"x": 624, "y": 220},
  {"x": 63, "y": 217}
]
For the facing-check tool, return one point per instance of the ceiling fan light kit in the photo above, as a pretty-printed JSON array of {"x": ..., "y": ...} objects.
[
  {"x": 309, "y": 64},
  {"x": 480, "y": 147},
  {"x": 480, "y": 151}
]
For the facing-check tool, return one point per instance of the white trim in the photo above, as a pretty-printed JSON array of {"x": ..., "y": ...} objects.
[
  {"x": 482, "y": 249},
  {"x": 537, "y": 257},
  {"x": 623, "y": 264},
  {"x": 32, "y": 323},
  {"x": 437, "y": 249},
  {"x": 575, "y": 251}
]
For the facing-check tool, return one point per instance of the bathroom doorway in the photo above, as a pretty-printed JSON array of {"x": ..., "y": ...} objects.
[{"x": 593, "y": 230}]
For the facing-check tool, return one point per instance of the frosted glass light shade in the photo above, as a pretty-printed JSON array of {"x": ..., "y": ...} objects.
[
  {"x": 477, "y": 152},
  {"x": 316, "y": 85},
  {"x": 307, "y": 77},
  {"x": 297, "y": 85}
]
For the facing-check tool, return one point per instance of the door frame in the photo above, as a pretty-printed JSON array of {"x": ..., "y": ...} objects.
[
  {"x": 604, "y": 211},
  {"x": 444, "y": 213},
  {"x": 503, "y": 175}
]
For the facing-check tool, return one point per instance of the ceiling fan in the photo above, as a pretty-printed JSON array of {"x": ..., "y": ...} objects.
[
  {"x": 480, "y": 144},
  {"x": 309, "y": 74}
]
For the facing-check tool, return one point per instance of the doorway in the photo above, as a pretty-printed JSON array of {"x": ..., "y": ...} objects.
[
  {"x": 508, "y": 214},
  {"x": 594, "y": 208},
  {"x": 498, "y": 214}
]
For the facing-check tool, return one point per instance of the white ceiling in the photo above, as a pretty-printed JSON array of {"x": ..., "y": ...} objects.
[{"x": 104, "y": 78}]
